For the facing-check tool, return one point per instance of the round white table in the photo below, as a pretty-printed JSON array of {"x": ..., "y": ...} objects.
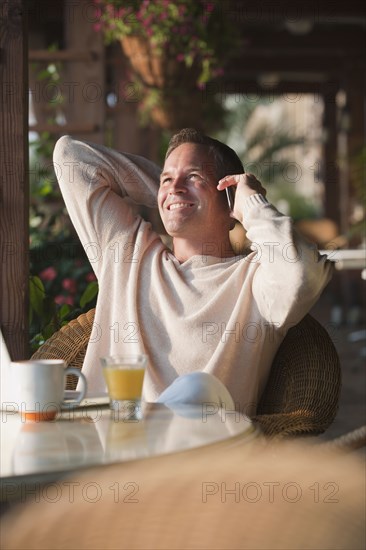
[{"x": 39, "y": 452}]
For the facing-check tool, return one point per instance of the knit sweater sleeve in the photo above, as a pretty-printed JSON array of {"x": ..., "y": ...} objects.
[
  {"x": 290, "y": 272},
  {"x": 100, "y": 186}
]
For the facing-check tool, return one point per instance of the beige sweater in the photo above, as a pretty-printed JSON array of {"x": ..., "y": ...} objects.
[{"x": 222, "y": 316}]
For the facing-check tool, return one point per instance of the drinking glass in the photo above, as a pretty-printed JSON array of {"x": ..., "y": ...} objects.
[{"x": 124, "y": 376}]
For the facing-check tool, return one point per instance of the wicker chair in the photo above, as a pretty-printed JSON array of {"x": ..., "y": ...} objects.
[
  {"x": 302, "y": 392},
  {"x": 301, "y": 396}
]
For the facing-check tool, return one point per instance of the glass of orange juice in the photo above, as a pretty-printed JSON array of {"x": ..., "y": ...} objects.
[{"x": 124, "y": 376}]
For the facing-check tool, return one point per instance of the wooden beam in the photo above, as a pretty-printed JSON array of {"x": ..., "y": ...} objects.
[
  {"x": 63, "y": 55},
  {"x": 324, "y": 40},
  {"x": 14, "y": 184},
  {"x": 260, "y": 11},
  {"x": 247, "y": 63},
  {"x": 82, "y": 128},
  {"x": 251, "y": 86}
]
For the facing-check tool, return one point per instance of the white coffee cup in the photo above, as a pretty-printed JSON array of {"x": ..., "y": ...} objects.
[{"x": 40, "y": 387}]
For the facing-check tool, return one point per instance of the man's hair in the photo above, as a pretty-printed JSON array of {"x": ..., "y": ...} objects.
[{"x": 226, "y": 160}]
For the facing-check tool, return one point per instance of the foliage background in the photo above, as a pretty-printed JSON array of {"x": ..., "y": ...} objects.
[{"x": 62, "y": 283}]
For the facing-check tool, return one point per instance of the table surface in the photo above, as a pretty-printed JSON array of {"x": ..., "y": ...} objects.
[
  {"x": 348, "y": 258},
  {"x": 93, "y": 436}
]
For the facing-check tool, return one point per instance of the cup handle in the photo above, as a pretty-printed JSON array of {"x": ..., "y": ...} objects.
[{"x": 79, "y": 374}]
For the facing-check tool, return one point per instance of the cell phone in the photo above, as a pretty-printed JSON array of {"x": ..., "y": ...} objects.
[{"x": 230, "y": 195}]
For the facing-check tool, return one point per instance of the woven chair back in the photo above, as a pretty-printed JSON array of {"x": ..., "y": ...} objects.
[{"x": 301, "y": 395}]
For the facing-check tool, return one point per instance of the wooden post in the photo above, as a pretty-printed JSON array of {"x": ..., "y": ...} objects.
[
  {"x": 84, "y": 76},
  {"x": 330, "y": 172},
  {"x": 14, "y": 185},
  {"x": 356, "y": 111}
]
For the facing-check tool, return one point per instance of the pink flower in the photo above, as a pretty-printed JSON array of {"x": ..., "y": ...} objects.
[
  {"x": 97, "y": 27},
  {"x": 60, "y": 299},
  {"x": 90, "y": 277},
  {"x": 48, "y": 274},
  {"x": 69, "y": 284},
  {"x": 146, "y": 23},
  {"x": 180, "y": 57}
]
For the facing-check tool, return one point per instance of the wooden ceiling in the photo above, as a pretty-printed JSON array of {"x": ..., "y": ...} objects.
[
  {"x": 295, "y": 46},
  {"x": 286, "y": 46}
]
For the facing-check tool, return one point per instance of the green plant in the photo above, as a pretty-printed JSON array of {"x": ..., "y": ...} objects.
[
  {"x": 175, "y": 48},
  {"x": 47, "y": 217},
  {"x": 285, "y": 197},
  {"x": 47, "y": 314},
  {"x": 189, "y": 31},
  {"x": 357, "y": 230},
  {"x": 62, "y": 284},
  {"x": 265, "y": 150}
]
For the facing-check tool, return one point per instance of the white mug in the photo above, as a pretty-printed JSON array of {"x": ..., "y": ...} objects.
[{"x": 39, "y": 386}]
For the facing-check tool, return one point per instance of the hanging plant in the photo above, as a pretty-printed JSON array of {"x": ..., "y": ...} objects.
[{"x": 174, "y": 48}]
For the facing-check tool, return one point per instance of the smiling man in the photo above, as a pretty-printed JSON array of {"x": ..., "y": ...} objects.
[
  {"x": 210, "y": 321},
  {"x": 192, "y": 210}
]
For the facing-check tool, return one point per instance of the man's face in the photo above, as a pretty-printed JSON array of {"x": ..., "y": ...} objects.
[{"x": 189, "y": 202}]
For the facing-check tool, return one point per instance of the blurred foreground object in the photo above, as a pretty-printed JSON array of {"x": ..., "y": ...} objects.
[{"x": 283, "y": 496}]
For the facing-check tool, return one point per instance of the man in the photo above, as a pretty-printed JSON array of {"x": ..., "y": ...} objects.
[{"x": 209, "y": 321}]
